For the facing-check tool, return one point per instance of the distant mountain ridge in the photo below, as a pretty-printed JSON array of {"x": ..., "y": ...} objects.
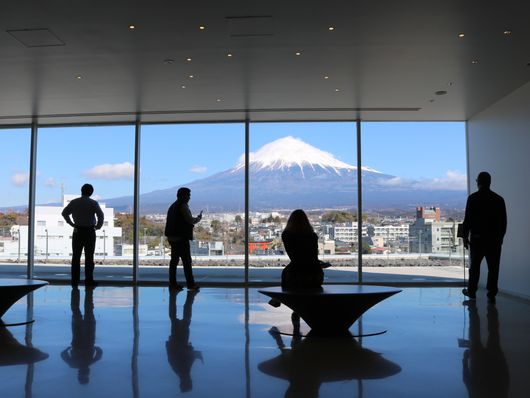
[{"x": 289, "y": 173}]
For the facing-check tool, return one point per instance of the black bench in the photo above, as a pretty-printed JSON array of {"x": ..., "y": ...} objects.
[
  {"x": 333, "y": 309},
  {"x": 12, "y": 290}
]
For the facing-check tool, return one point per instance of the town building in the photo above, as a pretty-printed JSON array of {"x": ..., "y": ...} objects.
[
  {"x": 53, "y": 236},
  {"x": 390, "y": 235},
  {"x": 429, "y": 235},
  {"x": 348, "y": 232}
]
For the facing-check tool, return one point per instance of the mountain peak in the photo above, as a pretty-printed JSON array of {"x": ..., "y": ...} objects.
[{"x": 290, "y": 152}]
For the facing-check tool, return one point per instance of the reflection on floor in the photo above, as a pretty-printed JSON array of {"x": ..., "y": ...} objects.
[{"x": 228, "y": 342}]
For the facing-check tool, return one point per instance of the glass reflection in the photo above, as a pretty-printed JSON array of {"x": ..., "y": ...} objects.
[
  {"x": 82, "y": 352},
  {"x": 180, "y": 352},
  {"x": 485, "y": 371},
  {"x": 311, "y": 361}
]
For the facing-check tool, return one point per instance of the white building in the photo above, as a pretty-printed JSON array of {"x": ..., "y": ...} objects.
[
  {"x": 326, "y": 246},
  {"x": 53, "y": 236},
  {"x": 348, "y": 232},
  {"x": 389, "y": 235}
]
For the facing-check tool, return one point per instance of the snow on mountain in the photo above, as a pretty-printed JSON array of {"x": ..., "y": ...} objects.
[{"x": 288, "y": 152}]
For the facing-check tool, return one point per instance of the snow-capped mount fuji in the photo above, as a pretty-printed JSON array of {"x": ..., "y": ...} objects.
[
  {"x": 289, "y": 173},
  {"x": 289, "y": 152}
]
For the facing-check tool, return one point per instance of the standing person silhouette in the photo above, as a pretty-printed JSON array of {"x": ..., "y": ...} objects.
[
  {"x": 179, "y": 232},
  {"x": 484, "y": 228},
  {"x": 84, "y": 212}
]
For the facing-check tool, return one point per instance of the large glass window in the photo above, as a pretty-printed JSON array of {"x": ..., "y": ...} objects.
[
  {"x": 14, "y": 185},
  {"x": 208, "y": 159},
  {"x": 414, "y": 192},
  {"x": 67, "y": 158},
  {"x": 413, "y": 199},
  {"x": 309, "y": 166}
]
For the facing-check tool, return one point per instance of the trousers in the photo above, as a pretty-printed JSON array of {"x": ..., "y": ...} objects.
[
  {"x": 181, "y": 250},
  {"x": 83, "y": 238},
  {"x": 492, "y": 252}
]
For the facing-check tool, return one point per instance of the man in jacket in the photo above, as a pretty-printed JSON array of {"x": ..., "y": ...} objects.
[
  {"x": 179, "y": 232},
  {"x": 484, "y": 228},
  {"x": 84, "y": 211}
]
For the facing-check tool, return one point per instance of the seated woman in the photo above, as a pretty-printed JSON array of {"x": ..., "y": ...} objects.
[
  {"x": 301, "y": 244},
  {"x": 305, "y": 269}
]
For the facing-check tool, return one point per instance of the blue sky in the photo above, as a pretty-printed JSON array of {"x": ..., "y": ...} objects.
[{"x": 176, "y": 154}]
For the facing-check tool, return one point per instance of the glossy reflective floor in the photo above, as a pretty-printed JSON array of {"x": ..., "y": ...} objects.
[{"x": 221, "y": 342}]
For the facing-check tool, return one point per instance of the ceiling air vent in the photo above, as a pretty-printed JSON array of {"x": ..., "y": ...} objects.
[
  {"x": 250, "y": 26},
  {"x": 36, "y": 37}
]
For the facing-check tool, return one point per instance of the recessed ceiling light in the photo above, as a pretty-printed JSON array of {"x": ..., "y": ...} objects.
[
  {"x": 191, "y": 76},
  {"x": 326, "y": 77},
  {"x": 218, "y": 99},
  {"x": 183, "y": 86},
  {"x": 132, "y": 27},
  {"x": 441, "y": 92},
  {"x": 451, "y": 83},
  {"x": 188, "y": 59},
  {"x": 79, "y": 77},
  {"x": 474, "y": 62},
  {"x": 229, "y": 54},
  {"x": 202, "y": 27},
  {"x": 507, "y": 32},
  {"x": 297, "y": 53},
  {"x": 331, "y": 28},
  {"x": 337, "y": 90},
  {"x": 169, "y": 61},
  {"x": 461, "y": 35},
  {"x": 431, "y": 100}
]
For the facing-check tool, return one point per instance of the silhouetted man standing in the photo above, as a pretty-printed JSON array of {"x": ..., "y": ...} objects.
[
  {"x": 84, "y": 212},
  {"x": 179, "y": 232},
  {"x": 484, "y": 228}
]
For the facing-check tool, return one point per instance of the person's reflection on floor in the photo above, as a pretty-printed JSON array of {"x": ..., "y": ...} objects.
[
  {"x": 485, "y": 371},
  {"x": 82, "y": 353},
  {"x": 180, "y": 352}
]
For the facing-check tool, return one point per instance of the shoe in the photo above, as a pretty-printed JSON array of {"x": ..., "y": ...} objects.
[
  {"x": 193, "y": 288},
  {"x": 469, "y": 295},
  {"x": 175, "y": 286}
]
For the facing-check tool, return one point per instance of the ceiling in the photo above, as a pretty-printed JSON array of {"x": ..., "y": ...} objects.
[{"x": 80, "y": 62}]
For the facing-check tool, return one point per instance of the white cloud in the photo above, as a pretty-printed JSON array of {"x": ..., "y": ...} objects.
[
  {"x": 20, "y": 179},
  {"x": 50, "y": 183},
  {"x": 392, "y": 182},
  {"x": 109, "y": 171},
  {"x": 453, "y": 180},
  {"x": 199, "y": 169}
]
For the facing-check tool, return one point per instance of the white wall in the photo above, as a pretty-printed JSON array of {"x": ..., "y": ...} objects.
[{"x": 499, "y": 142}]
